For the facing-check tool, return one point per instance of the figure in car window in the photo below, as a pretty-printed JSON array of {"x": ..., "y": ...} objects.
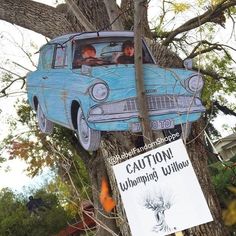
[
  {"x": 89, "y": 58},
  {"x": 88, "y": 52},
  {"x": 128, "y": 53}
]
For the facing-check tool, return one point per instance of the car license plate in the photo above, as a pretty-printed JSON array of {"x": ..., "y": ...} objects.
[{"x": 155, "y": 125}]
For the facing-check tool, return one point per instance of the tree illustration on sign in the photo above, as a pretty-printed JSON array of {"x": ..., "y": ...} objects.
[{"x": 159, "y": 204}]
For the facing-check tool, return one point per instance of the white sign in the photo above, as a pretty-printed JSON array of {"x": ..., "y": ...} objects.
[{"x": 160, "y": 192}]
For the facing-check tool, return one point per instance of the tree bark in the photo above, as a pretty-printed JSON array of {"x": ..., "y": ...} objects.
[
  {"x": 96, "y": 13},
  {"x": 35, "y": 16},
  {"x": 113, "y": 12},
  {"x": 138, "y": 59},
  {"x": 52, "y": 22},
  {"x": 106, "y": 225},
  {"x": 197, "y": 151},
  {"x": 79, "y": 15}
]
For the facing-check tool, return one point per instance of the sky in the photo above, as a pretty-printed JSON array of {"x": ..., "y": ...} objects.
[
  {"x": 12, "y": 172},
  {"x": 15, "y": 177}
]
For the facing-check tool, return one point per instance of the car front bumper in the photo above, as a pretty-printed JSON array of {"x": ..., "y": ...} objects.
[{"x": 157, "y": 106}]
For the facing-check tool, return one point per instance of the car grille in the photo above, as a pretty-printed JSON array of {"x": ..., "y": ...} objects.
[
  {"x": 157, "y": 106},
  {"x": 158, "y": 102}
]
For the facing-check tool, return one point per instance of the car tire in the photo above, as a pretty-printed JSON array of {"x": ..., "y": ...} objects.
[
  {"x": 89, "y": 138},
  {"x": 45, "y": 125}
]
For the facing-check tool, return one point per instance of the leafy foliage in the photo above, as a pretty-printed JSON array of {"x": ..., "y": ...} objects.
[
  {"x": 224, "y": 180},
  {"x": 229, "y": 215},
  {"x": 211, "y": 54},
  {"x": 223, "y": 176},
  {"x": 56, "y": 152},
  {"x": 180, "y": 7},
  {"x": 15, "y": 219}
]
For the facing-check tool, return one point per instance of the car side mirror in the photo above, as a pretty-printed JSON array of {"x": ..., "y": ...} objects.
[
  {"x": 188, "y": 63},
  {"x": 86, "y": 70}
]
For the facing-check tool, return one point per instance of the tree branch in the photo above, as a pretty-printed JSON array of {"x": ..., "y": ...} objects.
[
  {"x": 141, "y": 97},
  {"x": 80, "y": 16},
  {"x": 206, "y": 50},
  {"x": 212, "y": 46},
  {"x": 212, "y": 74},
  {"x": 3, "y": 91},
  {"x": 35, "y": 16},
  {"x": 10, "y": 72},
  {"x": 233, "y": 22},
  {"x": 224, "y": 109},
  {"x": 113, "y": 13},
  {"x": 23, "y": 67},
  {"x": 209, "y": 16}
]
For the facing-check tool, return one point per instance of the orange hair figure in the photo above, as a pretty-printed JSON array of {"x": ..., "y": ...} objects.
[{"x": 105, "y": 199}]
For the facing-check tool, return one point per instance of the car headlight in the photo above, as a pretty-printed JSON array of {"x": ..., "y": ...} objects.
[
  {"x": 96, "y": 111},
  {"x": 195, "y": 83},
  {"x": 99, "y": 91}
]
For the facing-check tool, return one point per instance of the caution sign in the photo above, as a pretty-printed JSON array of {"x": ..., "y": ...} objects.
[{"x": 160, "y": 191}]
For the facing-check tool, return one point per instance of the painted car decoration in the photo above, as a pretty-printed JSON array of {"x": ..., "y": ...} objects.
[{"x": 101, "y": 95}]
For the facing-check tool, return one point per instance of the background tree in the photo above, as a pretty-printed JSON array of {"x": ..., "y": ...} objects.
[
  {"x": 182, "y": 39},
  {"x": 15, "y": 219}
]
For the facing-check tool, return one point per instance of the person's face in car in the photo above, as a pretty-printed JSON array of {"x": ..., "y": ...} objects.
[
  {"x": 89, "y": 53},
  {"x": 129, "y": 51}
]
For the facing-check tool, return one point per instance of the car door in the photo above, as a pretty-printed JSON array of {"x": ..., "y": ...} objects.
[
  {"x": 39, "y": 81},
  {"x": 53, "y": 86}
]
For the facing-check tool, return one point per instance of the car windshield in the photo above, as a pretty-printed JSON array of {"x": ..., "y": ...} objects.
[{"x": 106, "y": 51}]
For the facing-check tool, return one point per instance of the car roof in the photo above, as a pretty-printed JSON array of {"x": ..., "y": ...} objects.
[{"x": 84, "y": 35}]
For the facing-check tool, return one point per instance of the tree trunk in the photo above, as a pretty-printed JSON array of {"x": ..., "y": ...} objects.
[
  {"x": 118, "y": 143},
  {"x": 52, "y": 22},
  {"x": 197, "y": 151},
  {"x": 106, "y": 224},
  {"x": 115, "y": 144}
]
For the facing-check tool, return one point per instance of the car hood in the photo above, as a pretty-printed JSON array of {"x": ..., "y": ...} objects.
[{"x": 156, "y": 79}]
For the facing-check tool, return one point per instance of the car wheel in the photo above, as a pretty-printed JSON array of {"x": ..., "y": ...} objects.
[
  {"x": 184, "y": 131},
  {"x": 45, "y": 125},
  {"x": 89, "y": 138}
]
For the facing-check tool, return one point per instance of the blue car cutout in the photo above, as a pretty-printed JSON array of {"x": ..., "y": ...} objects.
[{"x": 98, "y": 93}]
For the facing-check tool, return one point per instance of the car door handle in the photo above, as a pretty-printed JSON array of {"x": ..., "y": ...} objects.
[{"x": 45, "y": 77}]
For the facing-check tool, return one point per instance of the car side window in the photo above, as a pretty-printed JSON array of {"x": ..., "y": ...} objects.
[
  {"x": 147, "y": 59},
  {"x": 47, "y": 56},
  {"x": 60, "y": 57}
]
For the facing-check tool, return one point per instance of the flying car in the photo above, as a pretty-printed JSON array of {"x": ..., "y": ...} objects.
[{"x": 99, "y": 95}]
